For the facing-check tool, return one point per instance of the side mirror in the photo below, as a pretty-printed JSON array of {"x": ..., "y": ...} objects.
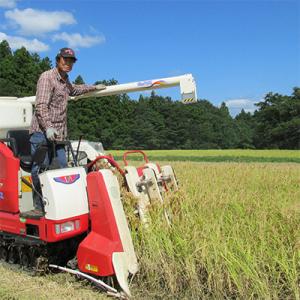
[{"x": 81, "y": 155}]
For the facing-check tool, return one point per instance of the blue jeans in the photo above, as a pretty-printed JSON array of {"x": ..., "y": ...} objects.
[{"x": 36, "y": 139}]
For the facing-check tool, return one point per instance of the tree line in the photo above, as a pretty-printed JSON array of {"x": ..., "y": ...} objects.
[{"x": 157, "y": 122}]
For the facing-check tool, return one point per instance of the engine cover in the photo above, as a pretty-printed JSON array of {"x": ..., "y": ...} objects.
[{"x": 64, "y": 192}]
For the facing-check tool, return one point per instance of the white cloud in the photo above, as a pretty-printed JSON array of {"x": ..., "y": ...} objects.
[
  {"x": 16, "y": 42},
  {"x": 37, "y": 22},
  {"x": 75, "y": 40},
  {"x": 239, "y": 103},
  {"x": 236, "y": 105},
  {"x": 8, "y": 3}
]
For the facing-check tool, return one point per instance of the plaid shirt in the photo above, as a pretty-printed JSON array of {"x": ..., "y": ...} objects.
[{"x": 52, "y": 95}]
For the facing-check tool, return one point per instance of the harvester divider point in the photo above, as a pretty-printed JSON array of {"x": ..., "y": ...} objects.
[{"x": 109, "y": 290}]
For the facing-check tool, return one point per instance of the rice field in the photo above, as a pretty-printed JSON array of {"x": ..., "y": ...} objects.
[
  {"x": 235, "y": 234},
  {"x": 233, "y": 155},
  {"x": 217, "y": 152}
]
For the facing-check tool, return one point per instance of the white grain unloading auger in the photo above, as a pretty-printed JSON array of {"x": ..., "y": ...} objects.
[{"x": 84, "y": 230}]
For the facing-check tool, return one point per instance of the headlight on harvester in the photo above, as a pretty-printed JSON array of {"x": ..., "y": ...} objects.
[{"x": 67, "y": 226}]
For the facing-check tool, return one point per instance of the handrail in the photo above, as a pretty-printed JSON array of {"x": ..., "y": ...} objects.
[
  {"x": 134, "y": 151},
  {"x": 110, "y": 160}
]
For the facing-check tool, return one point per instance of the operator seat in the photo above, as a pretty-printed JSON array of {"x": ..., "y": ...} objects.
[{"x": 21, "y": 147}]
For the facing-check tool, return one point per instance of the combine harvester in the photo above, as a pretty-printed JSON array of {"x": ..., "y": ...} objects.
[{"x": 84, "y": 230}]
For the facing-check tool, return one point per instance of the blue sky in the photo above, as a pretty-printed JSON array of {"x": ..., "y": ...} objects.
[{"x": 237, "y": 51}]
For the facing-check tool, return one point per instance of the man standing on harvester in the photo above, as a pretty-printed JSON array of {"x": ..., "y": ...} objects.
[{"x": 49, "y": 122}]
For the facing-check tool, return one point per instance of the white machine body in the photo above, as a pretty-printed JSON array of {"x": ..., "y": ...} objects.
[
  {"x": 14, "y": 115},
  {"x": 64, "y": 193}
]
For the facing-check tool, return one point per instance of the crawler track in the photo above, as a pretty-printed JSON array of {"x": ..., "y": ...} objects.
[
  {"x": 39, "y": 257},
  {"x": 34, "y": 254}
]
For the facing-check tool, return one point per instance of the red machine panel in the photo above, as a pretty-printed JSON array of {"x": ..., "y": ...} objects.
[
  {"x": 95, "y": 251},
  {"x": 66, "y": 228},
  {"x": 9, "y": 167}
]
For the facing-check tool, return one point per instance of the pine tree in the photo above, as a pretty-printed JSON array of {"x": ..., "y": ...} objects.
[
  {"x": 79, "y": 80},
  {"x": 5, "y": 50}
]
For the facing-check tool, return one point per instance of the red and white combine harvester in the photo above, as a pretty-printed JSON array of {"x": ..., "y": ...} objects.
[{"x": 84, "y": 230}]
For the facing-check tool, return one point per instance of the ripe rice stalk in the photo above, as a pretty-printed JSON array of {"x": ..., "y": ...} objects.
[{"x": 234, "y": 234}]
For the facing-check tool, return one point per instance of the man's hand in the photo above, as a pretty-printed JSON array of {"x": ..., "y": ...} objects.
[
  {"x": 100, "y": 87},
  {"x": 51, "y": 133}
]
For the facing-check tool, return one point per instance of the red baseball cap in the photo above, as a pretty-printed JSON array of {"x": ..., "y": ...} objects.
[{"x": 67, "y": 52}]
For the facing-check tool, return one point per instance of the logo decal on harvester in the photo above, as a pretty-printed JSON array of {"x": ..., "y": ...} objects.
[
  {"x": 67, "y": 179},
  {"x": 91, "y": 268},
  {"x": 1, "y": 196},
  {"x": 150, "y": 83}
]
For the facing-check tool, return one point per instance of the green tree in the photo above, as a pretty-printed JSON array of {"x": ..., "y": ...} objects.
[
  {"x": 19, "y": 71},
  {"x": 224, "y": 130},
  {"x": 245, "y": 130},
  {"x": 27, "y": 70},
  {"x": 5, "y": 50},
  {"x": 79, "y": 80},
  {"x": 7, "y": 70},
  {"x": 278, "y": 121}
]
